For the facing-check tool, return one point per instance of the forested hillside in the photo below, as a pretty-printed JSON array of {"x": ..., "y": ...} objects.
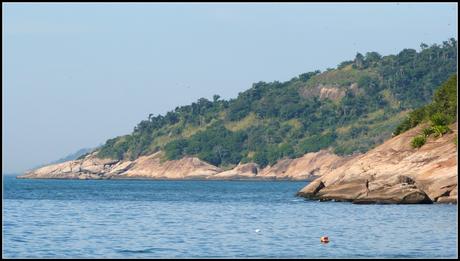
[
  {"x": 438, "y": 114},
  {"x": 348, "y": 109}
]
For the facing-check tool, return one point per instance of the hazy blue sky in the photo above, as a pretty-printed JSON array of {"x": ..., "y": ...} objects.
[{"x": 75, "y": 75}]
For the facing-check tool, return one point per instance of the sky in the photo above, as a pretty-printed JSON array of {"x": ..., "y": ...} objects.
[{"x": 75, "y": 75}]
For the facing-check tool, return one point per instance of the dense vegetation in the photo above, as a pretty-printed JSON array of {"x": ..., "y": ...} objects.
[
  {"x": 441, "y": 112},
  {"x": 348, "y": 109}
]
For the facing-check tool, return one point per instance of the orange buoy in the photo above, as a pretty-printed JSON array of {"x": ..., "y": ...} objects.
[{"x": 324, "y": 239}]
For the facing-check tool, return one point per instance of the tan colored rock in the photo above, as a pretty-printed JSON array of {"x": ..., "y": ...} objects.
[
  {"x": 394, "y": 172},
  {"x": 150, "y": 167},
  {"x": 325, "y": 91},
  {"x": 311, "y": 190},
  {"x": 153, "y": 168},
  {"x": 306, "y": 167},
  {"x": 332, "y": 93},
  {"x": 89, "y": 167},
  {"x": 120, "y": 168},
  {"x": 396, "y": 194},
  {"x": 242, "y": 171},
  {"x": 343, "y": 191},
  {"x": 451, "y": 198}
]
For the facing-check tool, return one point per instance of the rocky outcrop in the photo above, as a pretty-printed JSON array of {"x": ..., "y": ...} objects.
[
  {"x": 148, "y": 167},
  {"x": 450, "y": 198},
  {"x": 312, "y": 189},
  {"x": 329, "y": 91},
  {"x": 87, "y": 168},
  {"x": 309, "y": 166},
  {"x": 333, "y": 92},
  {"x": 394, "y": 172},
  {"x": 241, "y": 171},
  {"x": 152, "y": 167}
]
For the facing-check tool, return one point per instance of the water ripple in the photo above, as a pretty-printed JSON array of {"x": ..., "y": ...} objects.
[{"x": 211, "y": 219}]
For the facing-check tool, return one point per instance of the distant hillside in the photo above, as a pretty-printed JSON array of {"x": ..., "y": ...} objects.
[
  {"x": 348, "y": 109},
  {"x": 72, "y": 156}
]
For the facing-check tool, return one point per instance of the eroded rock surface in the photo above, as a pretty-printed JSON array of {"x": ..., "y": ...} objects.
[
  {"x": 394, "y": 172},
  {"x": 149, "y": 167},
  {"x": 154, "y": 167},
  {"x": 306, "y": 167},
  {"x": 242, "y": 171}
]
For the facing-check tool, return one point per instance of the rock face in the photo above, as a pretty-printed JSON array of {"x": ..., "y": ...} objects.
[
  {"x": 308, "y": 166},
  {"x": 88, "y": 168},
  {"x": 148, "y": 167},
  {"x": 152, "y": 167},
  {"x": 242, "y": 171},
  {"x": 333, "y": 92},
  {"x": 394, "y": 172}
]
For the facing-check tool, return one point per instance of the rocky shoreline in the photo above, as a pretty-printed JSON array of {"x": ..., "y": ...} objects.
[
  {"x": 305, "y": 168},
  {"x": 393, "y": 173}
]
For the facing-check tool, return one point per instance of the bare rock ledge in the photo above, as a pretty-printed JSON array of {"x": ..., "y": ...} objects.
[
  {"x": 154, "y": 167},
  {"x": 394, "y": 172}
]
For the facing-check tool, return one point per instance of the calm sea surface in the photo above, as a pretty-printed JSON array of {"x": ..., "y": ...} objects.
[{"x": 148, "y": 219}]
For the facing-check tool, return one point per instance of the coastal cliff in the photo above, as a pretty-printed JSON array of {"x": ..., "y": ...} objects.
[
  {"x": 394, "y": 172},
  {"x": 154, "y": 167}
]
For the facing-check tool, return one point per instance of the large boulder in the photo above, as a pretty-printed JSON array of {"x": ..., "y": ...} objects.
[{"x": 312, "y": 189}]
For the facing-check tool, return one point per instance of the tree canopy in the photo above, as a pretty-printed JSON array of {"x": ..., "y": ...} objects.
[{"x": 348, "y": 109}]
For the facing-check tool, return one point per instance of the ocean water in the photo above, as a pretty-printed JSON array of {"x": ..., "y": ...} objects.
[{"x": 211, "y": 219}]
